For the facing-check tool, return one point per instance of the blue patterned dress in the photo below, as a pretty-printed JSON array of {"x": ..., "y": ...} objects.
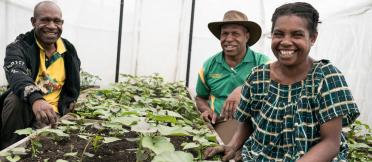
[{"x": 286, "y": 119}]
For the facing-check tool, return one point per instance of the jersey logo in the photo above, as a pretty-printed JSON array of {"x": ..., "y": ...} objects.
[{"x": 215, "y": 75}]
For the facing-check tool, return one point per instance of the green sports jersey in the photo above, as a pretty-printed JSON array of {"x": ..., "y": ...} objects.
[{"x": 217, "y": 80}]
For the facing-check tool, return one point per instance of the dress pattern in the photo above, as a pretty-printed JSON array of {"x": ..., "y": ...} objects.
[{"x": 286, "y": 119}]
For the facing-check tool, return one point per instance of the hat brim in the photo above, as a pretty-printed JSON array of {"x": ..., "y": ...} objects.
[{"x": 254, "y": 29}]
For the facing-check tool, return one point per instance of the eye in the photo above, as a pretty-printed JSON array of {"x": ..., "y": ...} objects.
[
  {"x": 235, "y": 34},
  {"x": 44, "y": 20},
  {"x": 224, "y": 34},
  {"x": 277, "y": 34},
  {"x": 58, "y": 21},
  {"x": 298, "y": 35},
  {"x": 47, "y": 20}
]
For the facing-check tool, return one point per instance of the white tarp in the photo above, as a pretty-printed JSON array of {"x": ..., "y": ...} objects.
[{"x": 156, "y": 32}]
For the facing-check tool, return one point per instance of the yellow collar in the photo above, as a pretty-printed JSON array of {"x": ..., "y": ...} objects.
[{"x": 60, "y": 46}]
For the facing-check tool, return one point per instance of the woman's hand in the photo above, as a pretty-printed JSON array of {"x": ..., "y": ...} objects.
[{"x": 228, "y": 151}]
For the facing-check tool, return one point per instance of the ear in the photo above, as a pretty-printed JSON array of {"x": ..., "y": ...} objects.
[
  {"x": 313, "y": 37},
  {"x": 33, "y": 21},
  {"x": 247, "y": 36}
]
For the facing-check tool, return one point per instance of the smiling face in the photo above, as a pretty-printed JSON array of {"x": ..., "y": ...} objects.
[
  {"x": 291, "y": 40},
  {"x": 47, "y": 23},
  {"x": 233, "y": 40}
]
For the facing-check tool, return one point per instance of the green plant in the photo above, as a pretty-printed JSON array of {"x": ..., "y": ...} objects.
[
  {"x": 359, "y": 138},
  {"x": 35, "y": 144},
  {"x": 87, "y": 80},
  {"x": 13, "y": 154}
]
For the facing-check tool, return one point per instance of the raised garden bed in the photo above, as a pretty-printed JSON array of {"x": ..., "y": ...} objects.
[{"x": 138, "y": 119}]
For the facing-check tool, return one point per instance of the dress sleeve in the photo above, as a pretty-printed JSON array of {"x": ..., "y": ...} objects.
[
  {"x": 243, "y": 112},
  {"x": 335, "y": 97}
]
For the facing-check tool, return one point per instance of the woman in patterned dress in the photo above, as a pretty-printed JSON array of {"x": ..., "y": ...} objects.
[{"x": 294, "y": 108}]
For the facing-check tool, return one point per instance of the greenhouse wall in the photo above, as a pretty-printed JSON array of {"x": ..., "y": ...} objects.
[{"x": 155, "y": 36}]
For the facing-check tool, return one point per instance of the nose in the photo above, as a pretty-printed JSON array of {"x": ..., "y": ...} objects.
[
  {"x": 286, "y": 41},
  {"x": 229, "y": 37},
  {"x": 51, "y": 24}
]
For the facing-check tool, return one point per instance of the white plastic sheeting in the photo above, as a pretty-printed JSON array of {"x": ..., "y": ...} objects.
[{"x": 156, "y": 32}]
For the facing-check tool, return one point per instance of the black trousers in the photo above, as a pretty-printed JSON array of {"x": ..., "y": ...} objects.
[{"x": 16, "y": 114}]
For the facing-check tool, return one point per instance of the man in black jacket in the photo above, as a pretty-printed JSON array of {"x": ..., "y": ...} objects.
[{"x": 42, "y": 70}]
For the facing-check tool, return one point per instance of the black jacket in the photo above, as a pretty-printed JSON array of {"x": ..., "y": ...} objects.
[{"x": 21, "y": 65}]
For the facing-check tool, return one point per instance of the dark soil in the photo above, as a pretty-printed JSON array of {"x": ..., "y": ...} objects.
[{"x": 118, "y": 151}]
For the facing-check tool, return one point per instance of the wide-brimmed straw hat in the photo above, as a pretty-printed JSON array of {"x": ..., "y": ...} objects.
[{"x": 236, "y": 17}]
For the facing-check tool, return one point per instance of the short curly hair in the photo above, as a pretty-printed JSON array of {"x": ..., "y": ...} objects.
[{"x": 301, "y": 9}]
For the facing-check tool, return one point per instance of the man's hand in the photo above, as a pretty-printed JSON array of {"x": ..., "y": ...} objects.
[
  {"x": 209, "y": 116},
  {"x": 44, "y": 112},
  {"x": 231, "y": 103},
  {"x": 228, "y": 151}
]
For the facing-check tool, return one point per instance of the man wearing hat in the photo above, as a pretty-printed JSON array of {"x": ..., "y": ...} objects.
[{"x": 218, "y": 86}]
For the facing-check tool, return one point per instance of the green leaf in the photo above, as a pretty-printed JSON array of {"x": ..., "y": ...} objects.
[
  {"x": 127, "y": 113},
  {"x": 3, "y": 154},
  {"x": 163, "y": 118},
  {"x": 359, "y": 145},
  {"x": 66, "y": 122},
  {"x": 19, "y": 151},
  {"x": 13, "y": 159},
  {"x": 190, "y": 145},
  {"x": 73, "y": 154},
  {"x": 58, "y": 132},
  {"x": 83, "y": 137},
  {"x": 211, "y": 137},
  {"x": 143, "y": 127},
  {"x": 61, "y": 160},
  {"x": 173, "y": 157},
  {"x": 102, "y": 113},
  {"x": 190, "y": 130},
  {"x": 126, "y": 120},
  {"x": 157, "y": 144},
  {"x": 170, "y": 113},
  {"x": 113, "y": 126},
  {"x": 172, "y": 131},
  {"x": 110, "y": 139},
  {"x": 26, "y": 131},
  {"x": 203, "y": 141}
]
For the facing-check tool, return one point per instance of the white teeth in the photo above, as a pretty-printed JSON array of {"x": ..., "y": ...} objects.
[
  {"x": 286, "y": 52},
  {"x": 229, "y": 47}
]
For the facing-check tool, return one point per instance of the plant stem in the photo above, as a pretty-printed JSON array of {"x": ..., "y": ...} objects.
[{"x": 85, "y": 148}]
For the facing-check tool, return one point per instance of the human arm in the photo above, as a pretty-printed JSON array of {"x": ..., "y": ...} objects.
[
  {"x": 18, "y": 72},
  {"x": 337, "y": 108},
  {"x": 230, "y": 104},
  {"x": 329, "y": 145},
  {"x": 203, "y": 93},
  {"x": 206, "y": 112},
  {"x": 244, "y": 130}
]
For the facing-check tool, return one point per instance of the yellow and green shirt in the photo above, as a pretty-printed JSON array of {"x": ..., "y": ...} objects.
[
  {"x": 217, "y": 80},
  {"x": 51, "y": 76}
]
